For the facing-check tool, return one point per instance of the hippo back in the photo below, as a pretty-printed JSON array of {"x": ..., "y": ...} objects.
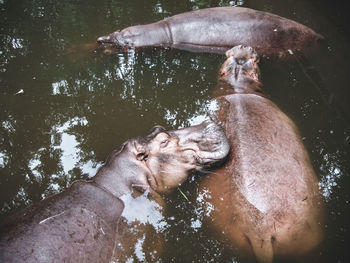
[
  {"x": 77, "y": 225},
  {"x": 266, "y": 196},
  {"x": 221, "y": 28}
]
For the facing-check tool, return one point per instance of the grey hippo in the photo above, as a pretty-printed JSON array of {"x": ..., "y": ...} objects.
[
  {"x": 217, "y": 30},
  {"x": 266, "y": 199},
  {"x": 80, "y": 224}
]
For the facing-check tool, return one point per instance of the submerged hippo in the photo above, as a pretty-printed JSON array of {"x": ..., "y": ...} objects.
[
  {"x": 266, "y": 199},
  {"x": 80, "y": 224},
  {"x": 218, "y": 29}
]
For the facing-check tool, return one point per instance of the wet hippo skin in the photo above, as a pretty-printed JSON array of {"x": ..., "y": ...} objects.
[
  {"x": 217, "y": 30},
  {"x": 77, "y": 225},
  {"x": 81, "y": 223},
  {"x": 266, "y": 197}
]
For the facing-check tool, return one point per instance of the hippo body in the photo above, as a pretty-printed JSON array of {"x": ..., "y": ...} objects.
[
  {"x": 217, "y": 30},
  {"x": 82, "y": 223},
  {"x": 266, "y": 197}
]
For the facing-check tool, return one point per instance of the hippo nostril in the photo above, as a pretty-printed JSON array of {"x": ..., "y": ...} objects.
[{"x": 240, "y": 61}]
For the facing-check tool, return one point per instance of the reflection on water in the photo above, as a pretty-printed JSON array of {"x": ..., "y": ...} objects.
[
  {"x": 141, "y": 229},
  {"x": 332, "y": 176},
  {"x": 143, "y": 210},
  {"x": 79, "y": 105},
  {"x": 70, "y": 150}
]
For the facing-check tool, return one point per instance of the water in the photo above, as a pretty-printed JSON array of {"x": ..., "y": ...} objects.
[{"x": 77, "y": 105}]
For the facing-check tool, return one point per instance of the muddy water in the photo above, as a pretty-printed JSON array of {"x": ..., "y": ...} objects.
[{"x": 63, "y": 107}]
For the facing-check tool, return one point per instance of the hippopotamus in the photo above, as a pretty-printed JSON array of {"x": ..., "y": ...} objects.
[
  {"x": 266, "y": 199},
  {"x": 217, "y": 30},
  {"x": 80, "y": 223}
]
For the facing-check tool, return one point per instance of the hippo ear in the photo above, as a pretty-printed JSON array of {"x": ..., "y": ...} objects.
[
  {"x": 141, "y": 152},
  {"x": 157, "y": 129},
  {"x": 255, "y": 57},
  {"x": 229, "y": 53}
]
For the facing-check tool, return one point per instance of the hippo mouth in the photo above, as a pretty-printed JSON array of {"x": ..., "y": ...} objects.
[
  {"x": 204, "y": 159},
  {"x": 151, "y": 178}
]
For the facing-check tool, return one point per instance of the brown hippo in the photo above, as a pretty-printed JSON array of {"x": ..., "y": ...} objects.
[
  {"x": 218, "y": 29},
  {"x": 80, "y": 224},
  {"x": 266, "y": 199}
]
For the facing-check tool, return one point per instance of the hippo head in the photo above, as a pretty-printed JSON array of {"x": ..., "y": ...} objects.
[
  {"x": 114, "y": 39},
  {"x": 171, "y": 155},
  {"x": 241, "y": 64},
  {"x": 163, "y": 159}
]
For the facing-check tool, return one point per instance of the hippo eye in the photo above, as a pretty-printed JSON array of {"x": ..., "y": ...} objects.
[
  {"x": 163, "y": 139},
  {"x": 164, "y": 142}
]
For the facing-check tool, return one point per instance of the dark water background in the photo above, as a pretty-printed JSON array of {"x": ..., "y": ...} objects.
[{"x": 78, "y": 105}]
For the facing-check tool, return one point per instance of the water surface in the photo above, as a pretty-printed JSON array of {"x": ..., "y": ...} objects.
[{"x": 78, "y": 105}]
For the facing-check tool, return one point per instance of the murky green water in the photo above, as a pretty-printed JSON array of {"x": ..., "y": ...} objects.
[{"x": 77, "y": 105}]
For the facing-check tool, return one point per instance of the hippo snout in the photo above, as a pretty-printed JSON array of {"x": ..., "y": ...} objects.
[
  {"x": 207, "y": 140},
  {"x": 109, "y": 39},
  {"x": 242, "y": 53},
  {"x": 104, "y": 39},
  {"x": 213, "y": 145}
]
